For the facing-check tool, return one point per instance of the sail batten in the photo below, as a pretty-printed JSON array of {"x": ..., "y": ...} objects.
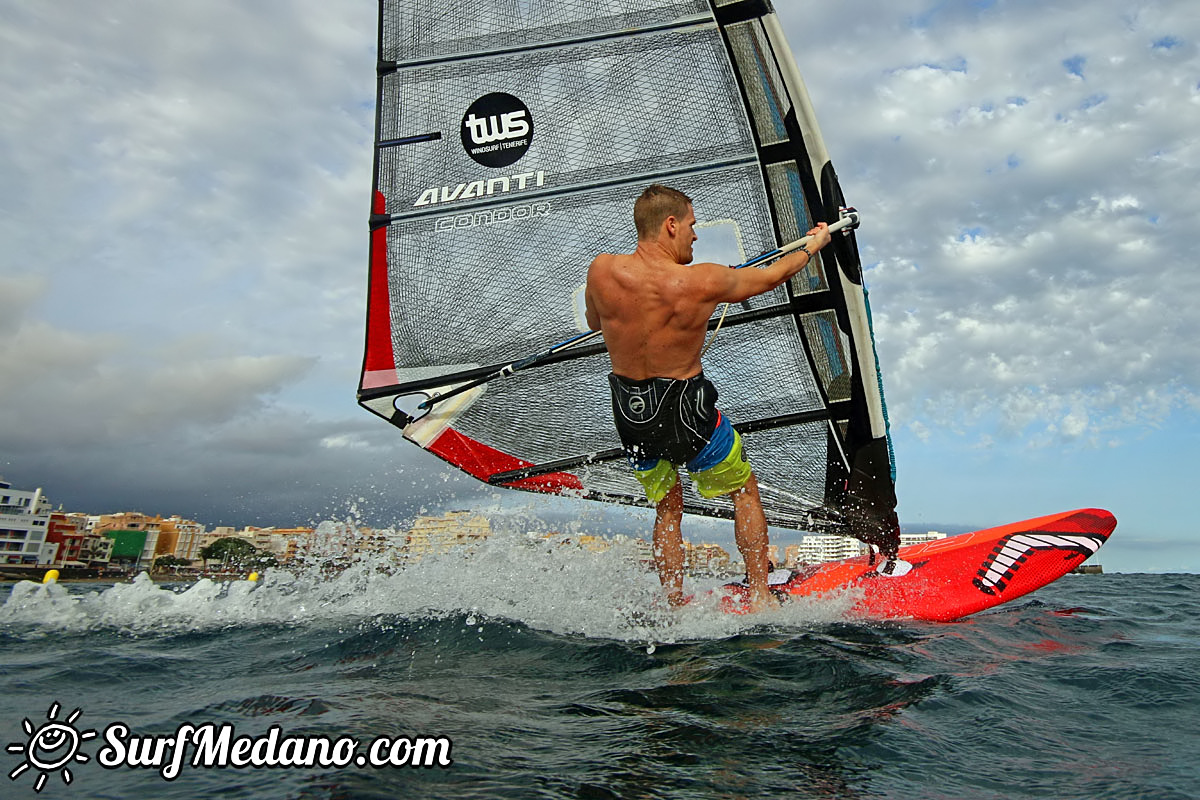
[{"x": 511, "y": 141}]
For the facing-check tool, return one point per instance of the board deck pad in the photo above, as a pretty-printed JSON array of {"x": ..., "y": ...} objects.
[{"x": 953, "y": 577}]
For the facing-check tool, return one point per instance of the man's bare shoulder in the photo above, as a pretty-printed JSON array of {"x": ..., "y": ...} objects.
[
  {"x": 710, "y": 278},
  {"x": 708, "y": 266},
  {"x": 613, "y": 264},
  {"x": 606, "y": 261}
]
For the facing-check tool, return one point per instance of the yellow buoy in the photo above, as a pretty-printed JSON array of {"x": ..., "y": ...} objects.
[
  {"x": 51, "y": 576},
  {"x": 252, "y": 577}
]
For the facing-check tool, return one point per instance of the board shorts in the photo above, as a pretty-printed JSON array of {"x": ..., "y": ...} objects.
[{"x": 665, "y": 422}]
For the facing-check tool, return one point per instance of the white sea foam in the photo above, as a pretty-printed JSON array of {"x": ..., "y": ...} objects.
[{"x": 547, "y": 584}]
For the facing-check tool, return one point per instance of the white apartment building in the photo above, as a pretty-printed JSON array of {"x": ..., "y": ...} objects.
[
  {"x": 920, "y": 538},
  {"x": 24, "y": 520},
  {"x": 822, "y": 547}
]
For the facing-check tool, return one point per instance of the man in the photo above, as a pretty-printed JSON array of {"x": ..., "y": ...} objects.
[{"x": 653, "y": 309}]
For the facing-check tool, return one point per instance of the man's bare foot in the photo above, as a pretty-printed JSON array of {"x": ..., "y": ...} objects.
[
  {"x": 761, "y": 601},
  {"x": 675, "y": 599}
]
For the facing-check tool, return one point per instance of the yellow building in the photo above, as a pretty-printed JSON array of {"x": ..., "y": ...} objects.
[
  {"x": 593, "y": 544},
  {"x": 704, "y": 559},
  {"x": 126, "y": 521},
  {"x": 283, "y": 543},
  {"x": 291, "y": 542},
  {"x": 433, "y": 535},
  {"x": 176, "y": 536}
]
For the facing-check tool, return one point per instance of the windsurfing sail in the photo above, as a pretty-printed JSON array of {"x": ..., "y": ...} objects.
[{"x": 511, "y": 141}]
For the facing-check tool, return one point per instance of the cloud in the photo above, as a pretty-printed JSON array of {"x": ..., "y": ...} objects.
[
  {"x": 1026, "y": 174},
  {"x": 191, "y": 154},
  {"x": 74, "y": 389},
  {"x": 182, "y": 207}
]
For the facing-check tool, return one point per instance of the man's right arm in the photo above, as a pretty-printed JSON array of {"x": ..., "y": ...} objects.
[
  {"x": 590, "y": 313},
  {"x": 736, "y": 285}
]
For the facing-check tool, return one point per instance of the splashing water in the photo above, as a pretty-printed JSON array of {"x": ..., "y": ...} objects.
[{"x": 552, "y": 585}]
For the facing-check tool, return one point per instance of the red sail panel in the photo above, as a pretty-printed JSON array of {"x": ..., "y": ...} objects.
[
  {"x": 482, "y": 462},
  {"x": 379, "y": 363}
]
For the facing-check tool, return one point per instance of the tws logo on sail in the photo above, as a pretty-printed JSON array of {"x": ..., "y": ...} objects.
[{"x": 497, "y": 130}]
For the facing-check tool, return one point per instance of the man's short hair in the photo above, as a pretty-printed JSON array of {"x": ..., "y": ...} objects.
[{"x": 656, "y": 204}]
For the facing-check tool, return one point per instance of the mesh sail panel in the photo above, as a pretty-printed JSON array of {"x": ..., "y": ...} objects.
[
  {"x": 600, "y": 112},
  {"x": 413, "y": 30},
  {"x": 488, "y": 291},
  {"x": 512, "y": 139}
]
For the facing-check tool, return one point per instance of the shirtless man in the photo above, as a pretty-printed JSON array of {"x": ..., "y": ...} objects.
[{"x": 653, "y": 310}]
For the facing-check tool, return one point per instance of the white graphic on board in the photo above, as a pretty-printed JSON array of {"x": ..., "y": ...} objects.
[{"x": 1014, "y": 550}]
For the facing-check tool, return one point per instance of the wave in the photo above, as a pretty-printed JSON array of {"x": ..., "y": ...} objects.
[{"x": 555, "y": 585}]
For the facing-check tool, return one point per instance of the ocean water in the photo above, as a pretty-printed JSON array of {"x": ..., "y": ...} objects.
[{"x": 553, "y": 672}]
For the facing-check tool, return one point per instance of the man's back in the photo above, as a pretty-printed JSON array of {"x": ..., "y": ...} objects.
[
  {"x": 653, "y": 305},
  {"x": 653, "y": 312}
]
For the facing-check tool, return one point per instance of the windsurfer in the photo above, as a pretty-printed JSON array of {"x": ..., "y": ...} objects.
[{"x": 653, "y": 307}]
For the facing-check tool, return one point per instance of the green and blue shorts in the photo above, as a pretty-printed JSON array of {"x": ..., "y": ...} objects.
[
  {"x": 720, "y": 468},
  {"x": 665, "y": 422}
]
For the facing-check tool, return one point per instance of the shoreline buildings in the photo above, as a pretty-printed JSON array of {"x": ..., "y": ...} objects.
[
  {"x": 34, "y": 535},
  {"x": 819, "y": 548}
]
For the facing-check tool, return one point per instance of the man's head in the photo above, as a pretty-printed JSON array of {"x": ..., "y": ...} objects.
[{"x": 663, "y": 211}]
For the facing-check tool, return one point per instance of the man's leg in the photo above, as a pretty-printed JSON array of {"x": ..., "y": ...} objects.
[
  {"x": 750, "y": 532},
  {"x": 668, "y": 543}
]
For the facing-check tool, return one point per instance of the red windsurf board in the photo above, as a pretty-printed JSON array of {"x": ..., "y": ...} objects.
[{"x": 956, "y": 576}]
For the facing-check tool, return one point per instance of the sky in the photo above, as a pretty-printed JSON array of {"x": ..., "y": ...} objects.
[{"x": 184, "y": 191}]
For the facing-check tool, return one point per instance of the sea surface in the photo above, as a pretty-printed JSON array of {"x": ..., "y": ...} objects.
[{"x": 554, "y": 672}]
